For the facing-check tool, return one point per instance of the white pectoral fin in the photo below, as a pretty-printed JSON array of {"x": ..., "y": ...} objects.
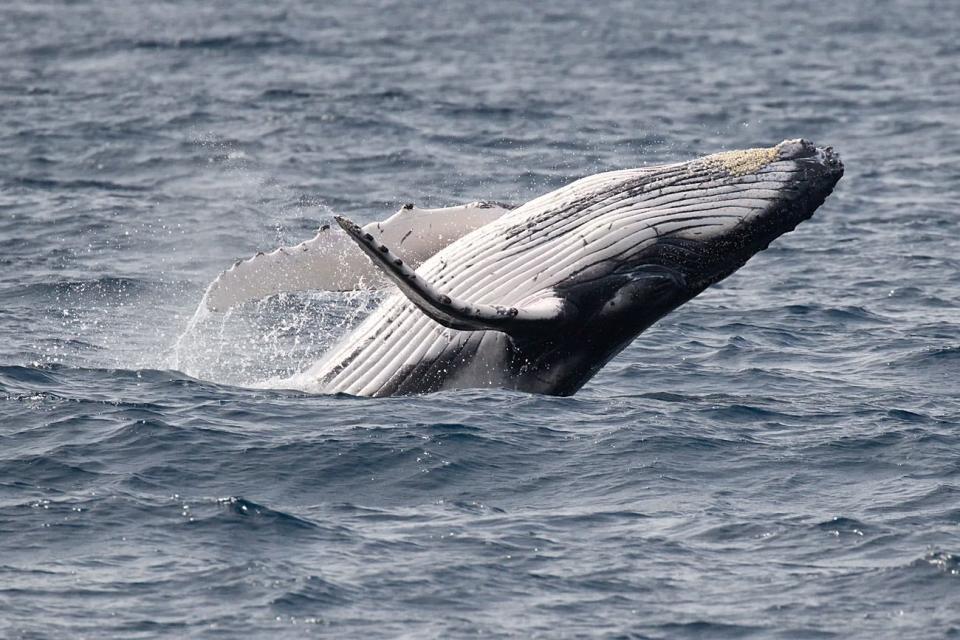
[
  {"x": 330, "y": 260},
  {"x": 451, "y": 312},
  {"x": 327, "y": 261},
  {"x": 420, "y": 233}
]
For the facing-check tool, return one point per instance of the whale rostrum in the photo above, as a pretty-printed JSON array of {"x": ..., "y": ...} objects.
[{"x": 539, "y": 297}]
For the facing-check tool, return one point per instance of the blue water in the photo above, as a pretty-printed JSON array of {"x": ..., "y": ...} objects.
[{"x": 780, "y": 458}]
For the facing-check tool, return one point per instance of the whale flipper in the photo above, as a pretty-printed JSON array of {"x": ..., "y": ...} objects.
[
  {"x": 330, "y": 261},
  {"x": 451, "y": 312}
]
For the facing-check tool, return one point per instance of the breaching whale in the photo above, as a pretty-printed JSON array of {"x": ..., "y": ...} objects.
[{"x": 538, "y": 298}]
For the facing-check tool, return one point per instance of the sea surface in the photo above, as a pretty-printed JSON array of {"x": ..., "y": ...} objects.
[{"x": 779, "y": 458}]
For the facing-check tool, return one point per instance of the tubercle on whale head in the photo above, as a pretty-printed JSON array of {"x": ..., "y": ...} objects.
[
  {"x": 802, "y": 149},
  {"x": 737, "y": 163},
  {"x": 818, "y": 169}
]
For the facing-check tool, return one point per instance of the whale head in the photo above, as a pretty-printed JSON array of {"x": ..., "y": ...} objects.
[
  {"x": 677, "y": 229},
  {"x": 736, "y": 203}
]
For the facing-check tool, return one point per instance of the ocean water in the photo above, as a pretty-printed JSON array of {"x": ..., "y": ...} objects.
[{"x": 779, "y": 458}]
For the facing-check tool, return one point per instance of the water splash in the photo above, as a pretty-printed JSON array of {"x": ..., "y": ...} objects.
[
  {"x": 262, "y": 343},
  {"x": 201, "y": 314}
]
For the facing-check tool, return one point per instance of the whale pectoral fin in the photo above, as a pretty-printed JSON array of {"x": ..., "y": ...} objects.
[
  {"x": 451, "y": 312},
  {"x": 330, "y": 261},
  {"x": 420, "y": 233}
]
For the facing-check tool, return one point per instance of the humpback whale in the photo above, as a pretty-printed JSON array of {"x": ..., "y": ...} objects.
[{"x": 539, "y": 297}]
